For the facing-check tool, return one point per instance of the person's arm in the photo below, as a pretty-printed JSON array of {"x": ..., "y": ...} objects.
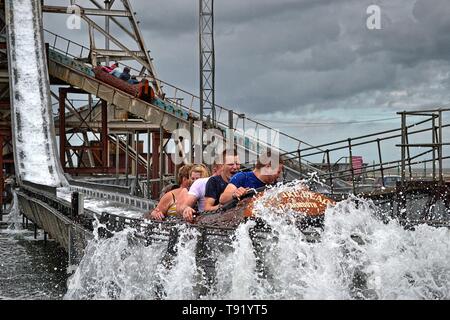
[
  {"x": 211, "y": 193},
  {"x": 184, "y": 207},
  {"x": 154, "y": 215},
  {"x": 227, "y": 194},
  {"x": 232, "y": 192},
  {"x": 160, "y": 211},
  {"x": 209, "y": 204}
]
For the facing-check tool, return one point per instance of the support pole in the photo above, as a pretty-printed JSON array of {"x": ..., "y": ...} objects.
[
  {"x": 408, "y": 154},
  {"x": 136, "y": 167},
  {"x": 161, "y": 158},
  {"x": 126, "y": 157},
  {"x": 117, "y": 155},
  {"x": 403, "y": 148},
  {"x": 107, "y": 7},
  {"x": 148, "y": 164},
  {"x": 62, "y": 127},
  {"x": 2, "y": 178},
  {"x": 440, "y": 154},
  {"x": 381, "y": 162},
  {"x": 191, "y": 142},
  {"x": 155, "y": 163},
  {"x": 351, "y": 164},
  {"x": 329, "y": 171},
  {"x": 104, "y": 135},
  {"x": 434, "y": 146},
  {"x": 207, "y": 62}
]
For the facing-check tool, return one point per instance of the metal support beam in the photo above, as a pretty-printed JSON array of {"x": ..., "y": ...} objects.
[
  {"x": 127, "y": 166},
  {"x": 107, "y": 8},
  {"x": 351, "y": 164},
  {"x": 97, "y": 153},
  {"x": 62, "y": 126},
  {"x": 117, "y": 155},
  {"x": 207, "y": 61},
  {"x": 403, "y": 148},
  {"x": 148, "y": 163},
  {"x": 155, "y": 163},
  {"x": 440, "y": 145},
  {"x": 86, "y": 11},
  {"x": 2, "y": 178},
  {"x": 161, "y": 158}
]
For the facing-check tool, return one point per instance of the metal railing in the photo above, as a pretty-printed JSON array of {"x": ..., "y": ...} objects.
[{"x": 427, "y": 152}]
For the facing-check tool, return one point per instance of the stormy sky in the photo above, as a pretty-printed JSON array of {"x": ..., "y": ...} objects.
[{"x": 310, "y": 68}]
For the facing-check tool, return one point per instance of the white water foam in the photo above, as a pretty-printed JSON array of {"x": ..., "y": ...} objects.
[
  {"x": 34, "y": 138},
  {"x": 359, "y": 256},
  {"x": 14, "y": 220},
  {"x": 100, "y": 205}
]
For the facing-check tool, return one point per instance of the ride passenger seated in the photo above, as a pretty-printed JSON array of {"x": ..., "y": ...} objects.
[
  {"x": 125, "y": 76},
  {"x": 116, "y": 72},
  {"x": 110, "y": 69},
  {"x": 167, "y": 206},
  {"x": 146, "y": 92},
  {"x": 216, "y": 185},
  {"x": 263, "y": 174},
  {"x": 133, "y": 80},
  {"x": 195, "y": 197}
]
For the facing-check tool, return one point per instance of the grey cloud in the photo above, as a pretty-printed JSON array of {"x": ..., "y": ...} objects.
[{"x": 301, "y": 56}]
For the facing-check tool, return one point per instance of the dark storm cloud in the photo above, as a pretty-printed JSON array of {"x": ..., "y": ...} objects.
[{"x": 303, "y": 56}]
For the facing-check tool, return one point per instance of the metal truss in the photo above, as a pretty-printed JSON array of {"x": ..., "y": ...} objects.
[
  {"x": 119, "y": 13},
  {"x": 207, "y": 60}
]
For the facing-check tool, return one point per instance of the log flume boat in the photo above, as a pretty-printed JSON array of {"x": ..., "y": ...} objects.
[
  {"x": 307, "y": 206},
  {"x": 141, "y": 90},
  {"x": 299, "y": 204}
]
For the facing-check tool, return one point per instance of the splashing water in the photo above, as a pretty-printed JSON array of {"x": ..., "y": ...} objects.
[
  {"x": 357, "y": 256},
  {"x": 122, "y": 267},
  {"x": 14, "y": 220}
]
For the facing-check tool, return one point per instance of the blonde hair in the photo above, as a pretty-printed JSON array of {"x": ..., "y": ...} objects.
[
  {"x": 184, "y": 172},
  {"x": 200, "y": 168}
]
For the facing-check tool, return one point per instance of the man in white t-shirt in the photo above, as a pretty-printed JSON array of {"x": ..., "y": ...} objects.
[{"x": 195, "y": 195}]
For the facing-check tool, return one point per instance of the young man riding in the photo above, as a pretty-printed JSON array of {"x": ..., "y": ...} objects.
[
  {"x": 216, "y": 185},
  {"x": 267, "y": 171}
]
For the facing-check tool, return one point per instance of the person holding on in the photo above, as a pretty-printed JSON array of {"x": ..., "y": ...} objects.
[
  {"x": 264, "y": 174},
  {"x": 116, "y": 72},
  {"x": 216, "y": 185},
  {"x": 133, "y": 80},
  {"x": 167, "y": 205},
  {"x": 110, "y": 69},
  {"x": 146, "y": 91},
  {"x": 125, "y": 76},
  {"x": 195, "y": 198}
]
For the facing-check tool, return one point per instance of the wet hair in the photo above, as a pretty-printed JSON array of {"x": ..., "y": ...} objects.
[
  {"x": 202, "y": 169},
  {"x": 265, "y": 158},
  {"x": 184, "y": 172}
]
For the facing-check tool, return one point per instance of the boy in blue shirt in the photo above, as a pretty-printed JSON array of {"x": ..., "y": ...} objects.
[{"x": 263, "y": 174}]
